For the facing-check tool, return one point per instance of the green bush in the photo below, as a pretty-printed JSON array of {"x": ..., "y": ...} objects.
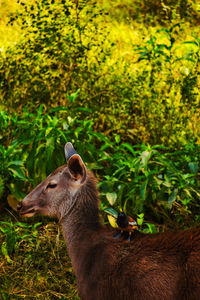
[
  {"x": 163, "y": 184},
  {"x": 34, "y": 145},
  {"x": 154, "y": 180},
  {"x": 51, "y": 58},
  {"x": 148, "y": 91},
  {"x": 167, "y": 95}
]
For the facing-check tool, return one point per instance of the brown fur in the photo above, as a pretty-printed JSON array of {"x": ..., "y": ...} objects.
[{"x": 150, "y": 267}]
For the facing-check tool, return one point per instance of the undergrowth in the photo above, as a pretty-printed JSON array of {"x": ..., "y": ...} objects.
[
  {"x": 34, "y": 263},
  {"x": 157, "y": 180}
]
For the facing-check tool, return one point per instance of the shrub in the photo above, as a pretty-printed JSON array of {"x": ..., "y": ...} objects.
[
  {"x": 51, "y": 58},
  {"x": 136, "y": 179},
  {"x": 163, "y": 184},
  {"x": 145, "y": 90}
]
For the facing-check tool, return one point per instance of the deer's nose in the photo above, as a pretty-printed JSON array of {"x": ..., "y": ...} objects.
[{"x": 19, "y": 206}]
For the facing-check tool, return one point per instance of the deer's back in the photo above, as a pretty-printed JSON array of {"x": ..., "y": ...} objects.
[{"x": 161, "y": 266}]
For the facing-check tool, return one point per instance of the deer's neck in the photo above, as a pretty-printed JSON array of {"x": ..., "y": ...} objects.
[{"x": 82, "y": 223}]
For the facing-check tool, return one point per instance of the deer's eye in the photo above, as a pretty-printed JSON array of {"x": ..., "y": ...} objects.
[{"x": 51, "y": 185}]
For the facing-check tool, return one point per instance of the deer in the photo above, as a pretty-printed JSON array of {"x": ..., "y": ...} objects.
[{"x": 161, "y": 266}]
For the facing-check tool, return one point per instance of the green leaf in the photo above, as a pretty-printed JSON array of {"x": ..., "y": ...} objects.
[
  {"x": 4, "y": 230},
  {"x": 40, "y": 110},
  {"x": 151, "y": 228},
  {"x": 111, "y": 197},
  {"x": 111, "y": 211},
  {"x": 16, "y": 163},
  {"x": 129, "y": 147},
  {"x": 65, "y": 126},
  {"x": 36, "y": 225},
  {"x": 73, "y": 96},
  {"x": 85, "y": 109},
  {"x": 5, "y": 252},
  {"x": 143, "y": 190},
  {"x": 27, "y": 141},
  {"x": 95, "y": 166},
  {"x": 142, "y": 56},
  {"x": 117, "y": 138},
  {"x": 140, "y": 219},
  {"x": 193, "y": 166},
  {"x": 172, "y": 197},
  {"x": 23, "y": 225},
  {"x": 145, "y": 156},
  {"x": 17, "y": 171}
]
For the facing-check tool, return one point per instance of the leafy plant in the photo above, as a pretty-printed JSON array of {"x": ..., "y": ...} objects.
[
  {"x": 35, "y": 146},
  {"x": 152, "y": 180},
  {"x": 12, "y": 237},
  {"x": 12, "y": 172},
  {"x": 138, "y": 178}
]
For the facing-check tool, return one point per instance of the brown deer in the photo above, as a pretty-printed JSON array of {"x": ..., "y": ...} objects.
[{"x": 164, "y": 266}]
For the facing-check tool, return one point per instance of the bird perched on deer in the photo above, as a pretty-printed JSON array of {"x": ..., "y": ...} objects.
[
  {"x": 126, "y": 226},
  {"x": 163, "y": 266}
]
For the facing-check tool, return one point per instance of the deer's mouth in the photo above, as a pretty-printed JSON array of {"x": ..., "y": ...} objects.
[{"x": 26, "y": 211}]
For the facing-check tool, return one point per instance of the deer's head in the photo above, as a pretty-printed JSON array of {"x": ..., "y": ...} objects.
[{"x": 54, "y": 196}]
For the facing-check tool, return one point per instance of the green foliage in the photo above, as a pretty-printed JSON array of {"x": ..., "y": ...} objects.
[
  {"x": 91, "y": 92},
  {"x": 33, "y": 147},
  {"x": 13, "y": 238},
  {"x": 12, "y": 172},
  {"x": 143, "y": 90},
  {"x": 138, "y": 178},
  {"x": 51, "y": 58},
  {"x": 169, "y": 79},
  {"x": 153, "y": 180}
]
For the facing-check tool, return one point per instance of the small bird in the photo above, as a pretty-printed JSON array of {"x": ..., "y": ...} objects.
[{"x": 126, "y": 226}]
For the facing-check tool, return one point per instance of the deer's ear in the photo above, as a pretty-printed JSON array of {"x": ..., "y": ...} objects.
[
  {"x": 69, "y": 150},
  {"x": 77, "y": 168}
]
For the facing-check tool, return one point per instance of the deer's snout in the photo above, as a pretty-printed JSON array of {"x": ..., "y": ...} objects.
[{"x": 26, "y": 209}]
